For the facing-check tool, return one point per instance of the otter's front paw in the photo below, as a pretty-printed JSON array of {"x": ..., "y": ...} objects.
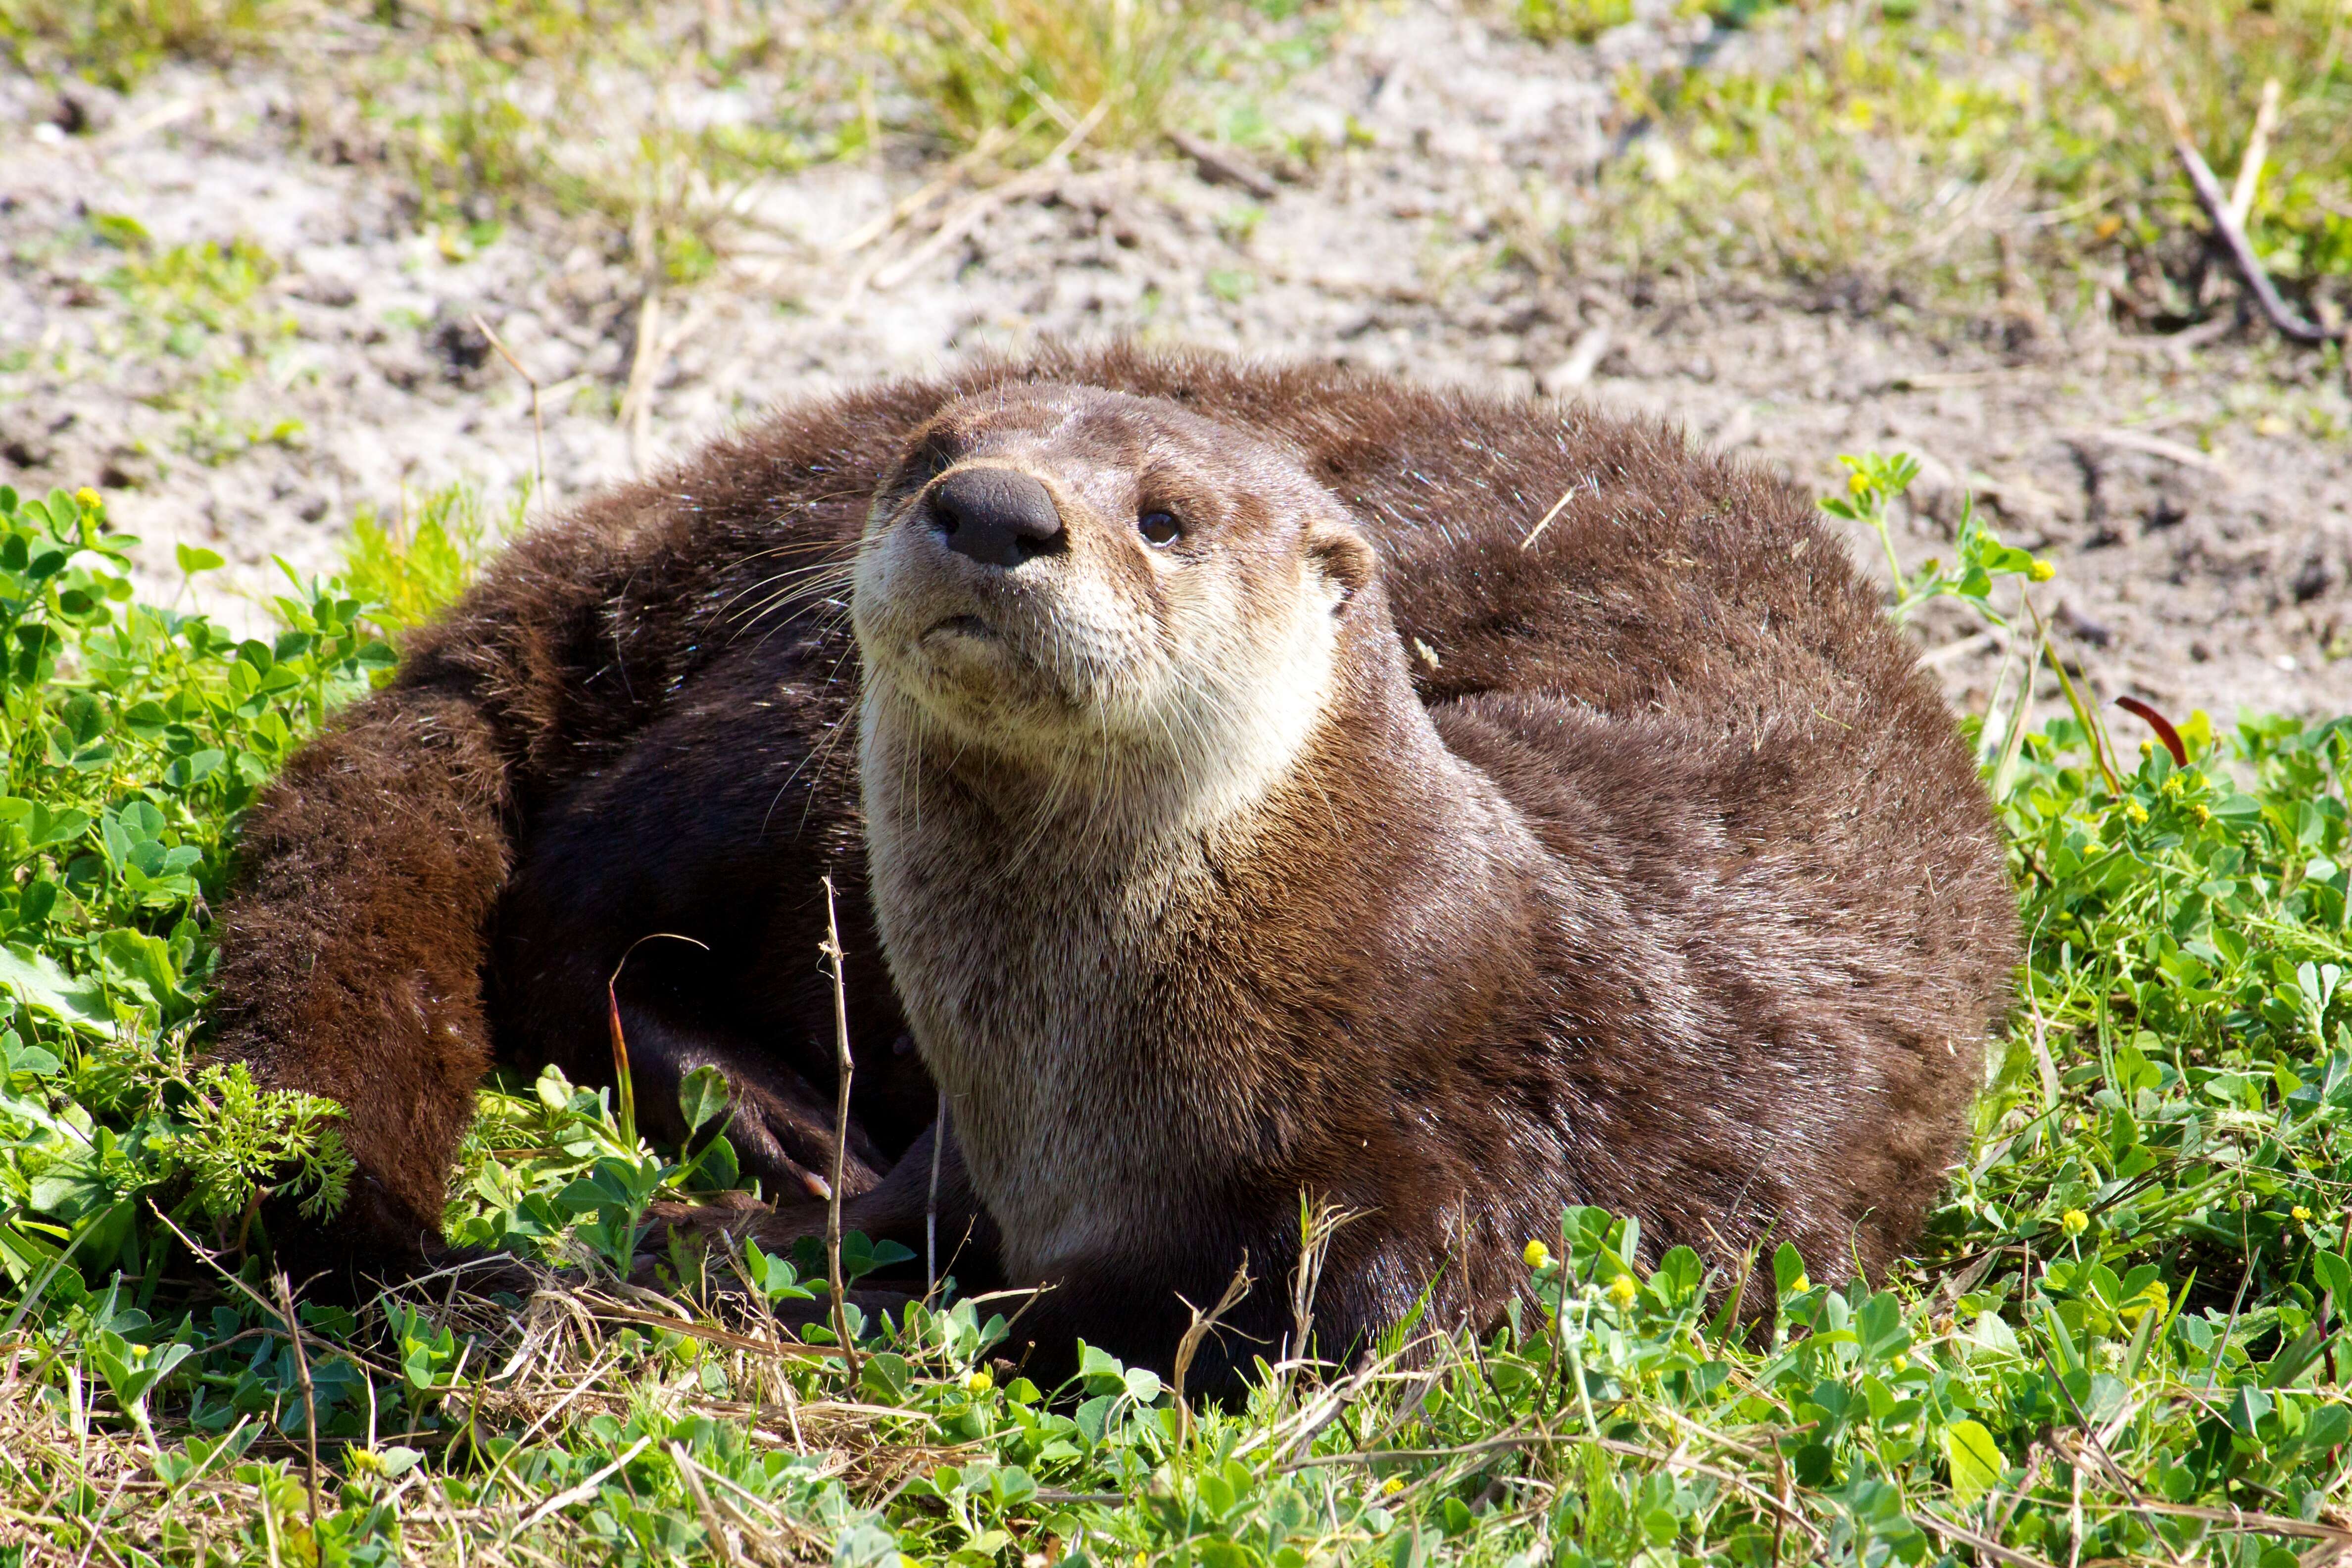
[
  {"x": 786, "y": 1140},
  {"x": 722, "y": 1224}
]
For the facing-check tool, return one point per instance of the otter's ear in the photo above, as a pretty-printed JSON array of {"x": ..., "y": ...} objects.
[{"x": 1342, "y": 554}]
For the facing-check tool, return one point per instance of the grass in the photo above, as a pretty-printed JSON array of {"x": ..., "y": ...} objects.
[
  {"x": 646, "y": 123},
  {"x": 1950, "y": 151},
  {"x": 2121, "y": 1341},
  {"x": 653, "y": 131},
  {"x": 1119, "y": 68},
  {"x": 1938, "y": 151},
  {"x": 406, "y": 567},
  {"x": 198, "y": 326},
  {"x": 117, "y": 42}
]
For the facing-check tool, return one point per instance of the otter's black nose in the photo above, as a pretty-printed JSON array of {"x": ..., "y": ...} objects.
[{"x": 998, "y": 517}]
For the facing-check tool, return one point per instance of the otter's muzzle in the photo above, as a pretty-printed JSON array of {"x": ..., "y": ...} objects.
[{"x": 997, "y": 517}]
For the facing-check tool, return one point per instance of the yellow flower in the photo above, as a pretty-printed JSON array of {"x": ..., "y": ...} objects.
[
  {"x": 979, "y": 1382},
  {"x": 89, "y": 499},
  {"x": 1392, "y": 1485},
  {"x": 1623, "y": 1290},
  {"x": 1801, "y": 1284},
  {"x": 2041, "y": 571},
  {"x": 1857, "y": 481},
  {"x": 2302, "y": 1214},
  {"x": 2201, "y": 812},
  {"x": 1537, "y": 1255},
  {"x": 2074, "y": 1222},
  {"x": 2136, "y": 811}
]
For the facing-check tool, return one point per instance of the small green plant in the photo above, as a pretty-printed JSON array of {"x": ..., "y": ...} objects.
[
  {"x": 132, "y": 736},
  {"x": 1952, "y": 155},
  {"x": 408, "y": 568},
  {"x": 1874, "y": 484},
  {"x": 1113, "y": 70},
  {"x": 117, "y": 42},
  {"x": 230, "y": 1136},
  {"x": 460, "y": 104},
  {"x": 201, "y": 320},
  {"x": 1579, "y": 21}
]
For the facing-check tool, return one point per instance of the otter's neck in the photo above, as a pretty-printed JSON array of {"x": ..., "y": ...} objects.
[{"x": 1121, "y": 986}]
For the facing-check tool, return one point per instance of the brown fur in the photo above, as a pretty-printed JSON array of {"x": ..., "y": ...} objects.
[{"x": 1640, "y": 867}]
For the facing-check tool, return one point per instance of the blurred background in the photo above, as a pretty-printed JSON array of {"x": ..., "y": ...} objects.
[{"x": 277, "y": 268}]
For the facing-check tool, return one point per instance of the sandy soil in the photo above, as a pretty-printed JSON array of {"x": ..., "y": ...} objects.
[{"x": 2196, "y": 495}]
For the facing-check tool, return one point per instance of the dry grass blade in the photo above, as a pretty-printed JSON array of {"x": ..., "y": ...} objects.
[
  {"x": 537, "y": 429},
  {"x": 1198, "y": 1329},
  {"x": 976, "y": 209},
  {"x": 931, "y": 1201},
  {"x": 1981, "y": 1544},
  {"x": 832, "y": 955},
  {"x": 691, "y": 1474},
  {"x": 1318, "y": 1221},
  {"x": 2092, "y": 731},
  {"x": 1545, "y": 521},
  {"x": 587, "y": 1488},
  {"x": 2242, "y": 1521},
  {"x": 2258, "y": 148},
  {"x": 992, "y": 140}
]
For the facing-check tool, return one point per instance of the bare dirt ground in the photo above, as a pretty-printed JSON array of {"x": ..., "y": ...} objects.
[{"x": 2196, "y": 495}]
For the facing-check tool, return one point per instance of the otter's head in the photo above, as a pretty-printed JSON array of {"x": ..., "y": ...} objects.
[{"x": 1078, "y": 581}]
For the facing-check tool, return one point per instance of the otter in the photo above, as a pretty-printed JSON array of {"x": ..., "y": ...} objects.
[{"x": 1243, "y": 784}]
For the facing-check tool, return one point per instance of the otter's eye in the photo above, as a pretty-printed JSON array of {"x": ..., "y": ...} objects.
[
  {"x": 933, "y": 455},
  {"x": 1160, "y": 529}
]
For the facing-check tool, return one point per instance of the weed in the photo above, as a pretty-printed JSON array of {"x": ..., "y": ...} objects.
[
  {"x": 585, "y": 107},
  {"x": 203, "y": 325},
  {"x": 407, "y": 568},
  {"x": 1580, "y": 20},
  {"x": 117, "y": 42},
  {"x": 1119, "y": 66},
  {"x": 1874, "y": 484},
  {"x": 1900, "y": 147}
]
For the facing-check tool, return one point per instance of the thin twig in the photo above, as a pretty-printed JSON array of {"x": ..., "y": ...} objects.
[
  {"x": 1982, "y": 1544},
  {"x": 1219, "y": 166},
  {"x": 2232, "y": 236},
  {"x": 831, "y": 951},
  {"x": 538, "y": 430},
  {"x": 310, "y": 1397}
]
